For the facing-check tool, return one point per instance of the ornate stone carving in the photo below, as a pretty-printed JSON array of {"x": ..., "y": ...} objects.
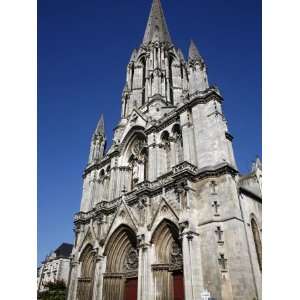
[
  {"x": 176, "y": 254},
  {"x": 131, "y": 261}
]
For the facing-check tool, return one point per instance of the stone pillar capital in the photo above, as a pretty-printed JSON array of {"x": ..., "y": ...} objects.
[
  {"x": 189, "y": 235},
  {"x": 99, "y": 258},
  {"x": 141, "y": 243}
]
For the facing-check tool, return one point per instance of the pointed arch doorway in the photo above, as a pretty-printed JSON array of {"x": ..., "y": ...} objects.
[
  {"x": 86, "y": 280},
  {"x": 168, "y": 267},
  {"x": 120, "y": 279}
]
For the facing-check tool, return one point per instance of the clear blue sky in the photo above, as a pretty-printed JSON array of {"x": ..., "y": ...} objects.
[{"x": 83, "y": 50}]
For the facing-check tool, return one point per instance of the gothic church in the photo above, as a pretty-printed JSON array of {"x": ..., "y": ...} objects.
[{"x": 165, "y": 214}]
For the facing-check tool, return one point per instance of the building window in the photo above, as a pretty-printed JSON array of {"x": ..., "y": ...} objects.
[
  {"x": 171, "y": 81},
  {"x": 257, "y": 242},
  {"x": 144, "y": 81}
]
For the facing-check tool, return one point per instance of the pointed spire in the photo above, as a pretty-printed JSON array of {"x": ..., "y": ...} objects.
[
  {"x": 194, "y": 52},
  {"x": 156, "y": 27},
  {"x": 100, "y": 126}
]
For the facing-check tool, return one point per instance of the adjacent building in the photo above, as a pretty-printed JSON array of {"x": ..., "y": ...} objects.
[
  {"x": 165, "y": 214},
  {"x": 55, "y": 267}
]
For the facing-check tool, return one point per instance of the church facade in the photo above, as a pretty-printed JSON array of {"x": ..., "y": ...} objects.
[{"x": 165, "y": 213}]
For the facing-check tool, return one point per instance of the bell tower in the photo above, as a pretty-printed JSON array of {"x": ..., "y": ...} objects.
[{"x": 165, "y": 213}]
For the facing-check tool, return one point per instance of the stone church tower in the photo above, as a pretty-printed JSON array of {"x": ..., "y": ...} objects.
[{"x": 165, "y": 213}]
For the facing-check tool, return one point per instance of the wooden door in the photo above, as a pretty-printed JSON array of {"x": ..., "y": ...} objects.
[
  {"x": 130, "y": 289},
  {"x": 178, "y": 286}
]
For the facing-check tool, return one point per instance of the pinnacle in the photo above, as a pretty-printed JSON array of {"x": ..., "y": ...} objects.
[
  {"x": 100, "y": 126},
  {"x": 194, "y": 52},
  {"x": 156, "y": 29}
]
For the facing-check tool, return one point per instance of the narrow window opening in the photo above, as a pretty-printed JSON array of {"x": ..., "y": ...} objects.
[
  {"x": 171, "y": 81},
  {"x": 257, "y": 242},
  {"x": 144, "y": 82},
  {"x": 132, "y": 76}
]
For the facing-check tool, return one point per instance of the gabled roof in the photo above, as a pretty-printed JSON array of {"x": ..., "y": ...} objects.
[{"x": 64, "y": 250}]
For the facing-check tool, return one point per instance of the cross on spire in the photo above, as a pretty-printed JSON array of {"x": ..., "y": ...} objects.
[{"x": 156, "y": 29}]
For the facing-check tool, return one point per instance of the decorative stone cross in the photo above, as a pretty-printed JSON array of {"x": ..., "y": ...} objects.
[
  {"x": 213, "y": 187},
  {"x": 219, "y": 233},
  {"x": 216, "y": 205},
  {"x": 222, "y": 261}
]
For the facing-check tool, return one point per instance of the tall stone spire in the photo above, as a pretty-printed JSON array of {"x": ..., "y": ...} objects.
[
  {"x": 156, "y": 29},
  {"x": 194, "y": 52}
]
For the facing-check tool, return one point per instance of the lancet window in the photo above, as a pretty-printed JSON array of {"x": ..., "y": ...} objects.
[
  {"x": 143, "y": 61},
  {"x": 171, "y": 80},
  {"x": 257, "y": 242}
]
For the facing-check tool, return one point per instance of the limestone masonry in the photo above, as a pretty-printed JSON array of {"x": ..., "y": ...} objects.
[{"x": 165, "y": 214}]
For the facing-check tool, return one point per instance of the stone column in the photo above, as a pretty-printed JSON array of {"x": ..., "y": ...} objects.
[
  {"x": 189, "y": 152},
  {"x": 144, "y": 272},
  {"x": 72, "y": 290},
  {"x": 98, "y": 278},
  {"x": 152, "y": 158},
  {"x": 161, "y": 163},
  {"x": 173, "y": 158},
  {"x": 192, "y": 267}
]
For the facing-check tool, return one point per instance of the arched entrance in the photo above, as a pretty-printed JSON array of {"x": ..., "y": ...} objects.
[
  {"x": 86, "y": 280},
  {"x": 120, "y": 278},
  {"x": 168, "y": 267}
]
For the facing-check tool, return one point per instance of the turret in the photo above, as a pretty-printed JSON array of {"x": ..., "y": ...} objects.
[
  {"x": 197, "y": 70},
  {"x": 98, "y": 142}
]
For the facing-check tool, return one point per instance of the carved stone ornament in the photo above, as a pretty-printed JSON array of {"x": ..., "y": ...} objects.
[
  {"x": 138, "y": 147},
  {"x": 176, "y": 254},
  {"x": 131, "y": 261}
]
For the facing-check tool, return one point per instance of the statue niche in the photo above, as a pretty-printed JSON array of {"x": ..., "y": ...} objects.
[{"x": 138, "y": 161}]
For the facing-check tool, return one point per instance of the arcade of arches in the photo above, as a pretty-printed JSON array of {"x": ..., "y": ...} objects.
[{"x": 120, "y": 280}]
